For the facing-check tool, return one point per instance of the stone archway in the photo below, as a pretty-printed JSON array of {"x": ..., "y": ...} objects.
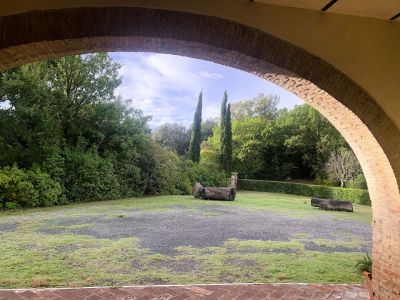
[{"x": 371, "y": 133}]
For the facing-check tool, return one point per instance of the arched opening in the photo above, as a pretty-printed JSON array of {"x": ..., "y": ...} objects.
[{"x": 366, "y": 127}]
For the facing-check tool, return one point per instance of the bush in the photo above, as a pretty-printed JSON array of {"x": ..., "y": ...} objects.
[
  {"x": 89, "y": 176},
  {"x": 173, "y": 174},
  {"x": 27, "y": 188},
  {"x": 354, "y": 195},
  {"x": 49, "y": 191},
  {"x": 207, "y": 175},
  {"x": 358, "y": 183},
  {"x": 169, "y": 174}
]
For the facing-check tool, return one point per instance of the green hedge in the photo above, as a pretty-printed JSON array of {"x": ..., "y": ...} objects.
[{"x": 354, "y": 195}]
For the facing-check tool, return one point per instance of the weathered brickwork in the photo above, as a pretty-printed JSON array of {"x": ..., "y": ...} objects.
[
  {"x": 220, "y": 291},
  {"x": 370, "y": 132}
]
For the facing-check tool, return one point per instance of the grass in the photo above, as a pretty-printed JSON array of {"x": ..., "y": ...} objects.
[
  {"x": 260, "y": 245},
  {"x": 297, "y": 206},
  {"x": 29, "y": 258}
]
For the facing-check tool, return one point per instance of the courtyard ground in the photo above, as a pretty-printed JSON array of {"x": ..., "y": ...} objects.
[{"x": 258, "y": 238}]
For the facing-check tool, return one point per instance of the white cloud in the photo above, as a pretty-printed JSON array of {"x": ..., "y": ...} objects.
[
  {"x": 211, "y": 75},
  {"x": 167, "y": 86},
  {"x": 164, "y": 86}
]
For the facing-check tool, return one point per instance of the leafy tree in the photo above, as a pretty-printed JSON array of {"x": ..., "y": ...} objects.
[
  {"x": 195, "y": 138},
  {"x": 79, "y": 81},
  {"x": 265, "y": 106},
  {"x": 299, "y": 142},
  {"x": 207, "y": 128},
  {"x": 29, "y": 126},
  {"x": 62, "y": 115},
  {"x": 247, "y": 145},
  {"x": 173, "y": 136},
  {"x": 343, "y": 166},
  {"x": 296, "y": 144}
]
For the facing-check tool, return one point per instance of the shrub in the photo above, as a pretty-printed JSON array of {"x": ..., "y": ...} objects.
[
  {"x": 49, "y": 191},
  {"x": 354, "y": 195},
  {"x": 358, "y": 183},
  {"x": 175, "y": 175},
  {"x": 169, "y": 173},
  {"x": 27, "y": 188},
  {"x": 16, "y": 190},
  {"x": 207, "y": 175},
  {"x": 89, "y": 176}
]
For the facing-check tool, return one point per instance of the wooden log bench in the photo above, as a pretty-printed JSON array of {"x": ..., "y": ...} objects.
[{"x": 331, "y": 204}]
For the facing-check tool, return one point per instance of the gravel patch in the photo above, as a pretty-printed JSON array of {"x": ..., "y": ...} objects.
[
  {"x": 7, "y": 227},
  {"x": 314, "y": 247},
  {"x": 163, "y": 231}
]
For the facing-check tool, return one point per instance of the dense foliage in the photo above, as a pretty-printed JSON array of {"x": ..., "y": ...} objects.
[
  {"x": 269, "y": 143},
  {"x": 33, "y": 187},
  {"x": 354, "y": 195},
  {"x": 65, "y": 136}
]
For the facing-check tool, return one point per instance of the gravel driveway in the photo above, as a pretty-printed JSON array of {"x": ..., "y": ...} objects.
[{"x": 212, "y": 225}]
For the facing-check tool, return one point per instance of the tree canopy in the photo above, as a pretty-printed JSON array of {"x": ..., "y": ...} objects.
[{"x": 173, "y": 136}]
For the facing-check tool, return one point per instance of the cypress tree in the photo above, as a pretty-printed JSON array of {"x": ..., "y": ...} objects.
[
  {"x": 195, "y": 137},
  {"x": 223, "y": 129},
  {"x": 228, "y": 140}
]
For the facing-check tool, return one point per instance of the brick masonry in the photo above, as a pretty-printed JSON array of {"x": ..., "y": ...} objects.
[
  {"x": 228, "y": 292},
  {"x": 371, "y": 133}
]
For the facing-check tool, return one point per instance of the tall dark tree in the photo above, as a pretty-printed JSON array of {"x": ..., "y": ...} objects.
[
  {"x": 195, "y": 138},
  {"x": 223, "y": 130},
  {"x": 228, "y": 140}
]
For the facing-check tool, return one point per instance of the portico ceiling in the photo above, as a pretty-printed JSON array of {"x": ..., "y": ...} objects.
[{"x": 381, "y": 9}]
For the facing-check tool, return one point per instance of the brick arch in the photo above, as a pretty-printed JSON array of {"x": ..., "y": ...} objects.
[{"x": 371, "y": 133}]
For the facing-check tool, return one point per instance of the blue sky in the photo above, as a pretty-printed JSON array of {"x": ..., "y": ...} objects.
[{"x": 167, "y": 86}]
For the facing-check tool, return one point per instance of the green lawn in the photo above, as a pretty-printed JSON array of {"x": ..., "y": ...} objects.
[{"x": 29, "y": 257}]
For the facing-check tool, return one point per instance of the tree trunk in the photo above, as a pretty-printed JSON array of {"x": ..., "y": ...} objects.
[
  {"x": 331, "y": 204},
  {"x": 219, "y": 193},
  {"x": 214, "y": 193}
]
